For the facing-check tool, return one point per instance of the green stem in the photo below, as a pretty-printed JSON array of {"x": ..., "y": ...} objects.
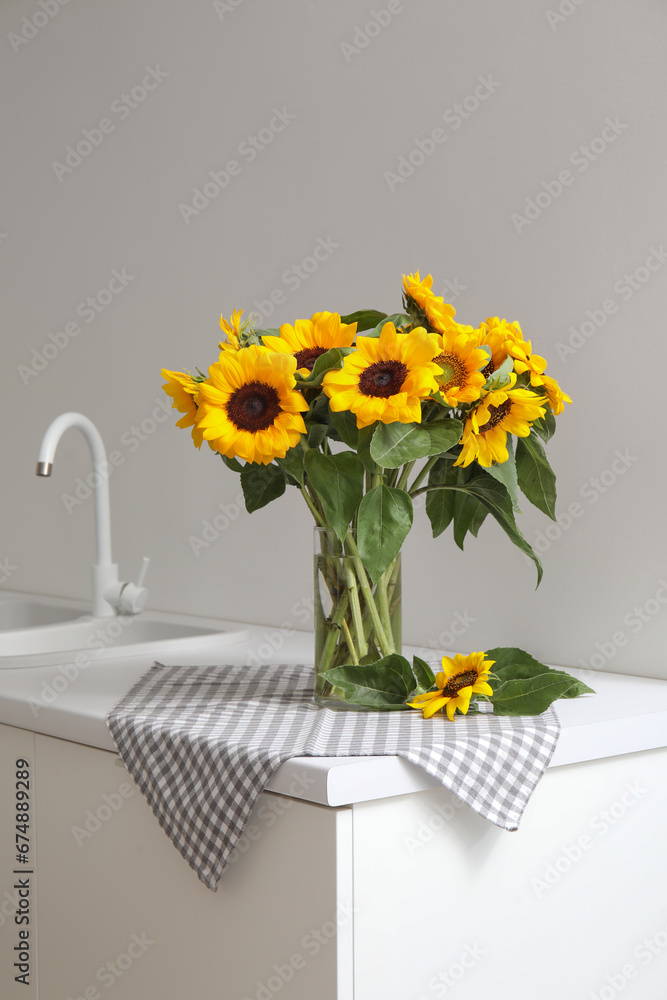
[
  {"x": 330, "y": 565},
  {"x": 383, "y": 607},
  {"x": 335, "y": 625},
  {"x": 393, "y": 580},
  {"x": 403, "y": 481},
  {"x": 319, "y": 519},
  {"x": 355, "y": 607},
  {"x": 350, "y": 643},
  {"x": 421, "y": 476},
  {"x": 383, "y": 641}
]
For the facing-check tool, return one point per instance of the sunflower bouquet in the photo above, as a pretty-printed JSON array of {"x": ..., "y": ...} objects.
[{"x": 363, "y": 414}]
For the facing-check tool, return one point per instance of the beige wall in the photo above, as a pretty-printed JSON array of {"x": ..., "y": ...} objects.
[{"x": 547, "y": 84}]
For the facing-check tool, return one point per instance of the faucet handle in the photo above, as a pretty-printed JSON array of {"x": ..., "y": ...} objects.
[
  {"x": 132, "y": 599},
  {"x": 133, "y": 596},
  {"x": 129, "y": 598}
]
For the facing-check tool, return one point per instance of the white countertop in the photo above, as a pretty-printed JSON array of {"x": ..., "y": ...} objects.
[{"x": 627, "y": 714}]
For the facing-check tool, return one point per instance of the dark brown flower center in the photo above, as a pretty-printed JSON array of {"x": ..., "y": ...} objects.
[
  {"x": 463, "y": 680},
  {"x": 308, "y": 356},
  {"x": 488, "y": 369},
  {"x": 254, "y": 406},
  {"x": 383, "y": 378},
  {"x": 497, "y": 414},
  {"x": 453, "y": 371}
]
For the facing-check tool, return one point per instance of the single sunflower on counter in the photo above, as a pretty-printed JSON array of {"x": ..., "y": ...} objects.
[{"x": 456, "y": 683}]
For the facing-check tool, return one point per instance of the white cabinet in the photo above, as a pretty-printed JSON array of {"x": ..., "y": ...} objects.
[
  {"x": 411, "y": 897},
  {"x": 118, "y": 909},
  {"x": 573, "y": 906}
]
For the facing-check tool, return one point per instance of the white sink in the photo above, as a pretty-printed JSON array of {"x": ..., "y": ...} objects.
[
  {"x": 29, "y": 614},
  {"x": 37, "y": 633}
]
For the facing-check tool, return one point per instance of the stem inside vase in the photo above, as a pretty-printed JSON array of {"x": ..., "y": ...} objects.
[{"x": 356, "y": 621}]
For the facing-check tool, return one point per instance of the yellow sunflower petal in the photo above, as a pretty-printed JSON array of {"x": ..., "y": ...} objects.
[
  {"x": 423, "y": 699},
  {"x": 435, "y": 706},
  {"x": 481, "y": 687}
]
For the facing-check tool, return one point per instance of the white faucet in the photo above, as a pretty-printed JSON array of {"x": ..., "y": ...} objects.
[{"x": 110, "y": 596}]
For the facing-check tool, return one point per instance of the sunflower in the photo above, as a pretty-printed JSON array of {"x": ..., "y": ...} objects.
[
  {"x": 500, "y": 411},
  {"x": 424, "y": 305},
  {"x": 526, "y": 361},
  {"x": 183, "y": 390},
  {"x": 386, "y": 378},
  {"x": 555, "y": 395},
  {"x": 458, "y": 680},
  {"x": 248, "y": 407},
  {"x": 460, "y": 360},
  {"x": 232, "y": 327},
  {"x": 497, "y": 334},
  {"x": 309, "y": 338}
]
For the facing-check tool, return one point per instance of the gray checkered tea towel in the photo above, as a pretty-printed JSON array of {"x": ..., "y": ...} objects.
[{"x": 202, "y": 743}]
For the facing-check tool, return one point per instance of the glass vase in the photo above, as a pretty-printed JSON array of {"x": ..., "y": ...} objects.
[{"x": 356, "y": 621}]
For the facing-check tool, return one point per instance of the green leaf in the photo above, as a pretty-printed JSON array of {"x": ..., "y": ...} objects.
[
  {"x": 364, "y": 448},
  {"x": 501, "y": 376},
  {"x": 398, "y": 319},
  {"x": 316, "y": 434},
  {"x": 444, "y": 435},
  {"x": 332, "y": 360},
  {"x": 577, "y": 688},
  {"x": 546, "y": 425},
  {"x": 232, "y": 463},
  {"x": 261, "y": 484},
  {"x": 365, "y": 319},
  {"x": 292, "y": 463},
  {"x": 536, "y": 477},
  {"x": 518, "y": 671},
  {"x": 523, "y": 672},
  {"x": 466, "y": 512},
  {"x": 478, "y": 520},
  {"x": 460, "y": 495},
  {"x": 345, "y": 425},
  {"x": 423, "y": 674},
  {"x": 506, "y": 473},
  {"x": 319, "y": 412},
  {"x": 440, "y": 503},
  {"x": 510, "y": 657},
  {"x": 385, "y": 684},
  {"x": 497, "y": 500},
  {"x": 373, "y": 654},
  {"x": 385, "y": 518},
  {"x": 395, "y": 444},
  {"x": 532, "y": 696},
  {"x": 339, "y": 483}
]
